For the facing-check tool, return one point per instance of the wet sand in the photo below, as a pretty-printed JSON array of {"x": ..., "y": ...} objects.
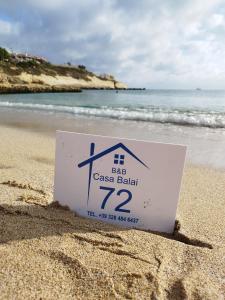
[
  {"x": 205, "y": 146},
  {"x": 48, "y": 252}
]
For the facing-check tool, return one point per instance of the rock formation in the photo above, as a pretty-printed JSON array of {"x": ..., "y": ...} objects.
[{"x": 27, "y": 74}]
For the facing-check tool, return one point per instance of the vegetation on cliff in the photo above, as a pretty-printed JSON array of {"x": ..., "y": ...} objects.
[
  {"x": 14, "y": 67},
  {"x": 4, "y": 54}
]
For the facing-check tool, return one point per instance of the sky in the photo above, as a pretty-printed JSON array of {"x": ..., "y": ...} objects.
[{"x": 144, "y": 43}]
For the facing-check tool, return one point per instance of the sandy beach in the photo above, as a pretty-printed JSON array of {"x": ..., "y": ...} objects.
[
  {"x": 148, "y": 71},
  {"x": 48, "y": 252}
]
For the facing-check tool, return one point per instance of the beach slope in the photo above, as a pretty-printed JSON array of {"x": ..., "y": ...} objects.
[{"x": 48, "y": 252}]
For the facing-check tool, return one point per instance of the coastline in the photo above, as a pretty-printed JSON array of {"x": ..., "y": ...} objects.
[
  {"x": 61, "y": 255},
  {"x": 35, "y": 89},
  {"x": 35, "y": 76}
]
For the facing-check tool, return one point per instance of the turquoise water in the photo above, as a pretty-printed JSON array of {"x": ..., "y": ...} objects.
[{"x": 181, "y": 107}]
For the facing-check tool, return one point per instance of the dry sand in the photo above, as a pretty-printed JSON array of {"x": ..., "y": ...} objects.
[{"x": 48, "y": 252}]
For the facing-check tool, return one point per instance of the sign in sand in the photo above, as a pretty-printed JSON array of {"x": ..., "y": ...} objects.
[{"x": 126, "y": 182}]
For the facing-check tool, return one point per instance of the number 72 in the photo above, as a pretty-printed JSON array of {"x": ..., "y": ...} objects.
[{"x": 110, "y": 192}]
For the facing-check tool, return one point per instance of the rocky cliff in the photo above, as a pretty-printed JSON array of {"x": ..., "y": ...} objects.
[{"x": 33, "y": 75}]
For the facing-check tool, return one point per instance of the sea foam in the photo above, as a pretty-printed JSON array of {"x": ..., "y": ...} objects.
[{"x": 201, "y": 118}]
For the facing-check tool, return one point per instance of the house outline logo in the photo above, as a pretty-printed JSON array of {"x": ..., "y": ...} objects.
[{"x": 99, "y": 155}]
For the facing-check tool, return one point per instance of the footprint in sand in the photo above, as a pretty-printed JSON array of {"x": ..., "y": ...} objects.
[
  {"x": 5, "y": 167},
  {"x": 33, "y": 200},
  {"x": 13, "y": 183},
  {"x": 43, "y": 160}
]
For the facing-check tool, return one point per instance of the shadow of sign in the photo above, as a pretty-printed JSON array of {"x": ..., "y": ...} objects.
[{"x": 21, "y": 222}]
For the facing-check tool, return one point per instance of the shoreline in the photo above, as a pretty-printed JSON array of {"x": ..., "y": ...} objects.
[
  {"x": 205, "y": 145},
  {"x": 62, "y": 255},
  {"x": 46, "y": 131},
  {"x": 35, "y": 89}
]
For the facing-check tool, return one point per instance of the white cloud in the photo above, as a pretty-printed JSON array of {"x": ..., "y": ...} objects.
[
  {"x": 144, "y": 43},
  {"x": 8, "y": 28},
  {"x": 217, "y": 20}
]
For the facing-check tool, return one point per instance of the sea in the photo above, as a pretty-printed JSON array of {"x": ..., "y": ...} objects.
[{"x": 192, "y": 117}]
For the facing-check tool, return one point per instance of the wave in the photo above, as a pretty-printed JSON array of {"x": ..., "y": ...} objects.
[{"x": 212, "y": 119}]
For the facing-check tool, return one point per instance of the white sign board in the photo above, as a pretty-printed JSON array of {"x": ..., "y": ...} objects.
[{"x": 126, "y": 182}]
